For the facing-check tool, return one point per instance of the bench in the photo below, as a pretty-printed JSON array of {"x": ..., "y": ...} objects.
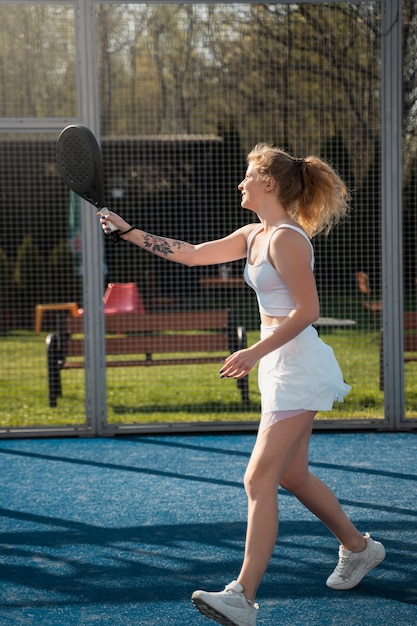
[
  {"x": 330, "y": 323},
  {"x": 179, "y": 338},
  {"x": 410, "y": 343}
]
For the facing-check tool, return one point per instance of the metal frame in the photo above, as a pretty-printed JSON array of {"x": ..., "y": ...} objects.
[
  {"x": 94, "y": 331},
  {"x": 391, "y": 167},
  {"x": 391, "y": 178}
]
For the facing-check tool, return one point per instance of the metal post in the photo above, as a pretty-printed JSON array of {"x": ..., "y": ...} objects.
[
  {"x": 95, "y": 356},
  {"x": 391, "y": 192}
]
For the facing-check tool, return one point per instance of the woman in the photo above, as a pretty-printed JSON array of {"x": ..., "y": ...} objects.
[{"x": 298, "y": 374}]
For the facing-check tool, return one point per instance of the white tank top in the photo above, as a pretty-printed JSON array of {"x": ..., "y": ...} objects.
[{"x": 273, "y": 296}]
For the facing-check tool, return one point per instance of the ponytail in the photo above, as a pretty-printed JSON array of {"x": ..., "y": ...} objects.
[
  {"x": 311, "y": 191},
  {"x": 324, "y": 198}
]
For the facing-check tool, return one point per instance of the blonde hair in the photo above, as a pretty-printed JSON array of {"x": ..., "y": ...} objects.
[{"x": 309, "y": 189}]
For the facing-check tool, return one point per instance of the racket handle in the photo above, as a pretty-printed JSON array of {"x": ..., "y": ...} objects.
[
  {"x": 105, "y": 213},
  {"x": 114, "y": 233}
]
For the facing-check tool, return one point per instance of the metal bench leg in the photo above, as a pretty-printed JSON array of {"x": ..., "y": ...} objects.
[
  {"x": 54, "y": 372},
  {"x": 243, "y": 385}
]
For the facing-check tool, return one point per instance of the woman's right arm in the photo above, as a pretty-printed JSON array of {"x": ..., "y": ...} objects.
[{"x": 230, "y": 248}]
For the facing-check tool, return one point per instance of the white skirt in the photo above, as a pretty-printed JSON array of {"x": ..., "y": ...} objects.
[{"x": 302, "y": 374}]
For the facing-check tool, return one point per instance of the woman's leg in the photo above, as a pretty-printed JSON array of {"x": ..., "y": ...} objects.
[
  {"x": 280, "y": 456},
  {"x": 274, "y": 450},
  {"x": 320, "y": 499}
]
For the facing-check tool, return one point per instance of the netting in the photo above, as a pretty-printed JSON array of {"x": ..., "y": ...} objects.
[{"x": 185, "y": 91}]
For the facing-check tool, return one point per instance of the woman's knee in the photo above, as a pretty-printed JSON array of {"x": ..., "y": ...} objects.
[
  {"x": 258, "y": 482},
  {"x": 249, "y": 482}
]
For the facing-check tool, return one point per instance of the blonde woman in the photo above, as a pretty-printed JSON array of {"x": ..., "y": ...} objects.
[{"x": 298, "y": 375}]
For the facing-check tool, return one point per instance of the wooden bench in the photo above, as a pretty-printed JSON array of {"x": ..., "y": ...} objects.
[
  {"x": 410, "y": 343},
  {"x": 184, "y": 337}
]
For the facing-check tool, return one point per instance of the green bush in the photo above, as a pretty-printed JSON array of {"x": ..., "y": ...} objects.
[
  {"x": 64, "y": 284},
  {"x": 29, "y": 275},
  {"x": 6, "y": 281}
]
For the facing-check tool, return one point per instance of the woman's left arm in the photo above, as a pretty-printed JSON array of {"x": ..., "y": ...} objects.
[{"x": 290, "y": 253}]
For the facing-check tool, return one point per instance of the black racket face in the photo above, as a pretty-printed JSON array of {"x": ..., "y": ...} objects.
[{"x": 79, "y": 161}]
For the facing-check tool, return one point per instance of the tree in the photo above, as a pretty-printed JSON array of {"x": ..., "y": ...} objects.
[
  {"x": 409, "y": 87},
  {"x": 37, "y": 61}
]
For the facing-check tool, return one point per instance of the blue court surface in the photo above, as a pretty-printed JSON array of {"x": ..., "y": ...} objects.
[{"x": 122, "y": 531}]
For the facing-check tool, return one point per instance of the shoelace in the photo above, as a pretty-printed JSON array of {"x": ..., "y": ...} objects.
[{"x": 343, "y": 560}]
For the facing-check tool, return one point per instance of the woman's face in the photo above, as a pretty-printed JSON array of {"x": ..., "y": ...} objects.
[{"x": 252, "y": 189}]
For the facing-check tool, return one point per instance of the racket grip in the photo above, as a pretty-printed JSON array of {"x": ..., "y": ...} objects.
[
  {"x": 114, "y": 233},
  {"x": 105, "y": 213}
]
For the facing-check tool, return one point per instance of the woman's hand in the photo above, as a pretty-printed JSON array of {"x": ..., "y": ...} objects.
[
  {"x": 238, "y": 364},
  {"x": 120, "y": 224}
]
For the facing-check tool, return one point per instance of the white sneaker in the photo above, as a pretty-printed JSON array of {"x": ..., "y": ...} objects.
[
  {"x": 228, "y": 607},
  {"x": 353, "y": 566}
]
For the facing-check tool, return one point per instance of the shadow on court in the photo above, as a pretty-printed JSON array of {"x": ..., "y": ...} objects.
[{"x": 121, "y": 531}]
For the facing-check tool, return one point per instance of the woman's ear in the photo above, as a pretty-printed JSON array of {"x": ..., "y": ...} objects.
[{"x": 270, "y": 184}]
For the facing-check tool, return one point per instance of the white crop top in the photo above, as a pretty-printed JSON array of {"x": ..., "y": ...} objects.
[{"x": 273, "y": 296}]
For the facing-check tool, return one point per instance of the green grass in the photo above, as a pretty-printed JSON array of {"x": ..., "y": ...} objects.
[{"x": 175, "y": 393}]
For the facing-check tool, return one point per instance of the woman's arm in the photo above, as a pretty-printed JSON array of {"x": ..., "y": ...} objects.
[
  {"x": 230, "y": 248},
  {"x": 290, "y": 253}
]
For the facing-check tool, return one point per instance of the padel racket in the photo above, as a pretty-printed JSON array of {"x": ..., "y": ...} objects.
[{"x": 80, "y": 163}]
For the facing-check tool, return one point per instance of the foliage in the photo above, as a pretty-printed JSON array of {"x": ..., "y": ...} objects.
[
  {"x": 37, "y": 41},
  {"x": 36, "y": 280},
  {"x": 61, "y": 263},
  {"x": 263, "y": 66},
  {"x": 5, "y": 281},
  {"x": 29, "y": 268},
  {"x": 303, "y": 76}
]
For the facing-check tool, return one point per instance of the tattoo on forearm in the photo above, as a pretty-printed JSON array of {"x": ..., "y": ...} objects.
[{"x": 159, "y": 245}]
